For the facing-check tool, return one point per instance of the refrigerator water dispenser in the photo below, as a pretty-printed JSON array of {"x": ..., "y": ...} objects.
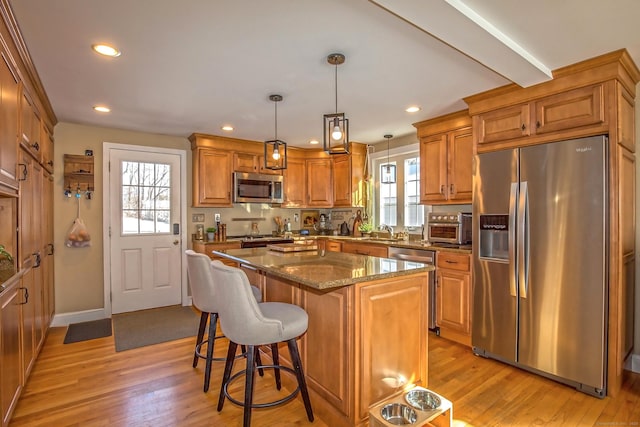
[{"x": 494, "y": 237}]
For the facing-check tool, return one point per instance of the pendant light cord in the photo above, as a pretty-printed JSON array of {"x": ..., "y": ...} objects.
[
  {"x": 276, "y": 120},
  {"x": 336, "y": 85}
]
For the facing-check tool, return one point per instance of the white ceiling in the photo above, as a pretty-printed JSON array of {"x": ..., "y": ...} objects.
[{"x": 195, "y": 65}]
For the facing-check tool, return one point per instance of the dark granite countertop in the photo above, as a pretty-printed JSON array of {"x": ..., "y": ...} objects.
[{"x": 323, "y": 269}]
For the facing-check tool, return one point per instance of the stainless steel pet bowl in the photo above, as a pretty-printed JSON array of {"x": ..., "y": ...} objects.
[
  {"x": 398, "y": 414},
  {"x": 424, "y": 400}
]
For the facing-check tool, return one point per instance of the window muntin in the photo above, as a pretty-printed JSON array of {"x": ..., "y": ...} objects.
[{"x": 146, "y": 192}]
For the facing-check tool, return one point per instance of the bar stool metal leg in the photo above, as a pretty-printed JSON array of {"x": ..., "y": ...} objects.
[
  {"x": 248, "y": 385},
  {"x": 276, "y": 363},
  {"x": 228, "y": 367}
]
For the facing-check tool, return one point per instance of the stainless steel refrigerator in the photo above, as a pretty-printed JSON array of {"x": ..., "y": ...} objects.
[{"x": 540, "y": 222}]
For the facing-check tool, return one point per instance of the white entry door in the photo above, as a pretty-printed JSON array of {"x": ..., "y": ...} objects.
[{"x": 144, "y": 229}]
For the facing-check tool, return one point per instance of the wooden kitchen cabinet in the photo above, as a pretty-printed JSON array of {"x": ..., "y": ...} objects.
[
  {"x": 212, "y": 177},
  {"x": 362, "y": 248},
  {"x": 453, "y": 296},
  {"x": 333, "y": 246},
  {"x": 47, "y": 148},
  {"x": 348, "y": 177},
  {"x": 295, "y": 189},
  {"x": 30, "y": 125},
  {"x": 319, "y": 174},
  {"x": 9, "y": 128},
  {"x": 10, "y": 349},
  {"x": 251, "y": 163},
  {"x": 571, "y": 109},
  {"x": 446, "y": 158},
  {"x": 207, "y": 248}
]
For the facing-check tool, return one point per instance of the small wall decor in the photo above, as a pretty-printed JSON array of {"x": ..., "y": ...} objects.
[
  {"x": 78, "y": 175},
  {"x": 309, "y": 218}
]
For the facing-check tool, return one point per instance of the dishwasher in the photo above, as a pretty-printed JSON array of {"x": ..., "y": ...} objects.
[{"x": 424, "y": 256}]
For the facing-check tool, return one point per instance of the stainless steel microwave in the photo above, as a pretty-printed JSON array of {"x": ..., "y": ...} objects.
[{"x": 257, "y": 188}]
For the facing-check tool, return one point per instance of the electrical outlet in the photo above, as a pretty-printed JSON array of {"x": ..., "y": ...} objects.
[
  {"x": 216, "y": 217},
  {"x": 197, "y": 218}
]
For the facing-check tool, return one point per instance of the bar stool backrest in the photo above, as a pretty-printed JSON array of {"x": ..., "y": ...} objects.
[
  {"x": 203, "y": 292},
  {"x": 241, "y": 319}
]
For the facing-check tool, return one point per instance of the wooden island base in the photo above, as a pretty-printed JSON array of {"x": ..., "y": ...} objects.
[{"x": 366, "y": 342}]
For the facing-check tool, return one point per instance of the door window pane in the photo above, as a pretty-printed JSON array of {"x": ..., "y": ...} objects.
[{"x": 145, "y": 198}]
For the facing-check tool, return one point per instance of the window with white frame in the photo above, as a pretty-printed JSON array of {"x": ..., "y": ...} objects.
[{"x": 398, "y": 204}]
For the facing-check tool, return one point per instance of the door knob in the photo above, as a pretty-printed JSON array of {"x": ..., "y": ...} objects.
[{"x": 176, "y": 242}]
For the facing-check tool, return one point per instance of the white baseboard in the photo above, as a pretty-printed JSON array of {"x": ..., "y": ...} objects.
[
  {"x": 633, "y": 363},
  {"x": 65, "y": 319}
]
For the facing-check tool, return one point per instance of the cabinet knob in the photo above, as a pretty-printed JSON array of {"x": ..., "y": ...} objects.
[
  {"x": 523, "y": 127},
  {"x": 36, "y": 146},
  {"x": 538, "y": 124}
]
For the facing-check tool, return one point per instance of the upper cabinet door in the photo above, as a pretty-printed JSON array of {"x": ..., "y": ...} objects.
[
  {"x": 433, "y": 169},
  {"x": 503, "y": 124},
  {"x": 30, "y": 126},
  {"x": 460, "y": 158},
  {"x": 571, "y": 109},
  {"x": 319, "y": 183},
  {"x": 8, "y": 125},
  {"x": 212, "y": 179},
  {"x": 295, "y": 184}
]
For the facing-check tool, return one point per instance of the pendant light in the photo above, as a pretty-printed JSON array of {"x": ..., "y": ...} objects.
[
  {"x": 388, "y": 170},
  {"x": 275, "y": 151},
  {"x": 336, "y": 125}
]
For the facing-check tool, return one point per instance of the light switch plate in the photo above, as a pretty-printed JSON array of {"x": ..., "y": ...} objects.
[
  {"x": 197, "y": 217},
  {"x": 216, "y": 217}
]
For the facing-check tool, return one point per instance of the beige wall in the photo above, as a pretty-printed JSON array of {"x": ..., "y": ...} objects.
[{"x": 79, "y": 271}]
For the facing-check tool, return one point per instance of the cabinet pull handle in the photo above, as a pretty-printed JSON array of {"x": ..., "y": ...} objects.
[
  {"x": 26, "y": 296},
  {"x": 538, "y": 124},
  {"x": 50, "y": 248},
  {"x": 523, "y": 127},
  {"x": 448, "y": 261},
  {"x": 50, "y": 162},
  {"x": 24, "y": 172},
  {"x": 36, "y": 146},
  {"x": 451, "y": 189},
  {"x": 442, "y": 189}
]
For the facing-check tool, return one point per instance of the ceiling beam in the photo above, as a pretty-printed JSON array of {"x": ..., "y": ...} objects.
[{"x": 457, "y": 25}]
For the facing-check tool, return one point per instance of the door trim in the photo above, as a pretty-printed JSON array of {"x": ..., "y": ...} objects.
[{"x": 182, "y": 154}]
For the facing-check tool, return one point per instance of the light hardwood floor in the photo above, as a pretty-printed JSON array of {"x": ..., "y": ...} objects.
[{"x": 89, "y": 384}]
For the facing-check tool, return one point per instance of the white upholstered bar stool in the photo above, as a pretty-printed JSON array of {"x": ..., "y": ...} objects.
[
  {"x": 247, "y": 322},
  {"x": 206, "y": 299}
]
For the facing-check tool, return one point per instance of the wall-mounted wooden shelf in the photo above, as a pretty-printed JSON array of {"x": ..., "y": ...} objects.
[{"x": 78, "y": 173}]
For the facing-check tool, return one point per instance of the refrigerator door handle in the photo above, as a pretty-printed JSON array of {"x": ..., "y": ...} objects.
[
  {"x": 512, "y": 238},
  {"x": 523, "y": 240}
]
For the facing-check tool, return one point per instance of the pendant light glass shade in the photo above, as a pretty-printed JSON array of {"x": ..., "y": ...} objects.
[
  {"x": 336, "y": 125},
  {"x": 388, "y": 170},
  {"x": 275, "y": 151}
]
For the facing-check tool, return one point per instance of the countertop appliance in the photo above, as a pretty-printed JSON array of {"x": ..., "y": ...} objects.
[
  {"x": 426, "y": 257},
  {"x": 540, "y": 260},
  {"x": 452, "y": 228},
  {"x": 257, "y": 188}
]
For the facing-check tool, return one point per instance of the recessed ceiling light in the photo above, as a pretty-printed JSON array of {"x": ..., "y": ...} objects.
[
  {"x": 314, "y": 142},
  {"x": 413, "y": 109},
  {"x": 106, "y": 50},
  {"x": 102, "y": 109},
  {"x": 227, "y": 128}
]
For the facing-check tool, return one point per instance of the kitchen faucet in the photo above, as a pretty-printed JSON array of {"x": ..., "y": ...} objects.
[{"x": 388, "y": 228}]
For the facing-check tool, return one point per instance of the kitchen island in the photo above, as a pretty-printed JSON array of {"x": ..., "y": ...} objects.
[{"x": 367, "y": 334}]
